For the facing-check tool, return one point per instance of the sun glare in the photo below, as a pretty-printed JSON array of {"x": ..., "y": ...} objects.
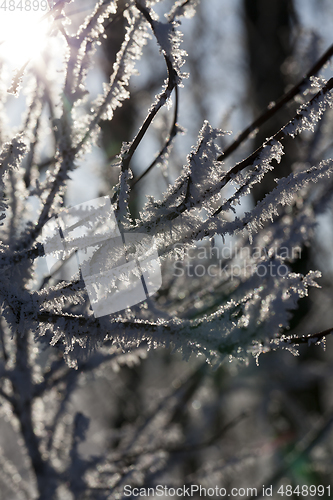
[{"x": 22, "y": 33}]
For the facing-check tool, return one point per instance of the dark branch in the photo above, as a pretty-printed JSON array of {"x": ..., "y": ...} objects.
[
  {"x": 173, "y": 132},
  {"x": 279, "y": 136},
  {"x": 308, "y": 338},
  {"x": 272, "y": 109}
]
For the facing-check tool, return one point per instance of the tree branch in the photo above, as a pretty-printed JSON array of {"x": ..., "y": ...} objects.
[
  {"x": 173, "y": 132},
  {"x": 272, "y": 109},
  {"x": 309, "y": 338}
]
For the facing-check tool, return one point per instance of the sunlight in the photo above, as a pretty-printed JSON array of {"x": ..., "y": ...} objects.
[{"x": 22, "y": 33}]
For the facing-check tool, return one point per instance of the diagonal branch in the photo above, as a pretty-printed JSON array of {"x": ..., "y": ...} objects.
[
  {"x": 272, "y": 109},
  {"x": 309, "y": 338},
  {"x": 163, "y": 97},
  {"x": 173, "y": 132},
  {"x": 279, "y": 136}
]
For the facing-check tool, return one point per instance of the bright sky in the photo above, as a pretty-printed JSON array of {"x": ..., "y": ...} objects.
[{"x": 22, "y": 34}]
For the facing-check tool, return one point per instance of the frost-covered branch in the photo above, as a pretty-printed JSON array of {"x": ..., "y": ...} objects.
[
  {"x": 164, "y": 152},
  {"x": 309, "y": 338}
]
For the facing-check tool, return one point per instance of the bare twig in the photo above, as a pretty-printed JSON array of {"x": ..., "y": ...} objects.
[
  {"x": 274, "y": 108},
  {"x": 173, "y": 132},
  {"x": 164, "y": 96}
]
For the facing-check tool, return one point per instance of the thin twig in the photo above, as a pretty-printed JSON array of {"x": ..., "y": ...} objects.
[
  {"x": 164, "y": 96},
  {"x": 274, "y": 108},
  {"x": 212, "y": 440},
  {"x": 308, "y": 338},
  {"x": 173, "y": 132}
]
